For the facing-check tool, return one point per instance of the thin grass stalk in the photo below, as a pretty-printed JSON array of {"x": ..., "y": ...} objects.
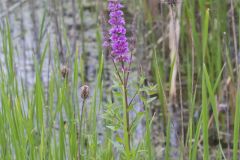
[
  {"x": 235, "y": 42},
  {"x": 82, "y": 32},
  {"x": 168, "y": 137},
  {"x": 148, "y": 132},
  {"x": 205, "y": 120},
  {"x": 236, "y": 128},
  {"x": 79, "y": 135},
  {"x": 161, "y": 92}
]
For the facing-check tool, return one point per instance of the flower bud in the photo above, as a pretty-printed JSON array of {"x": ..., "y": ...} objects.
[
  {"x": 65, "y": 71},
  {"x": 84, "y": 92}
]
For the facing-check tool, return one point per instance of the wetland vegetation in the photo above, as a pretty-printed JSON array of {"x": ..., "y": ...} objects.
[{"x": 119, "y": 79}]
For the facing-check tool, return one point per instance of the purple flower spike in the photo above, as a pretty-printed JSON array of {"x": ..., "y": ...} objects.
[{"x": 117, "y": 32}]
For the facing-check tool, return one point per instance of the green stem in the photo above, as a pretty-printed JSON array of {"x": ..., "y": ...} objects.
[
  {"x": 126, "y": 122},
  {"x": 79, "y": 135}
]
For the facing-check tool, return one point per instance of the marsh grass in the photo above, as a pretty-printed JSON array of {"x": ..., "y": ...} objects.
[{"x": 42, "y": 122}]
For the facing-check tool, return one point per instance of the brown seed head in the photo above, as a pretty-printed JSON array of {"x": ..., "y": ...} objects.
[
  {"x": 84, "y": 92},
  {"x": 65, "y": 71}
]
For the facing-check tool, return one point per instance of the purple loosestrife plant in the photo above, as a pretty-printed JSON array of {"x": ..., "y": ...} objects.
[{"x": 116, "y": 41}]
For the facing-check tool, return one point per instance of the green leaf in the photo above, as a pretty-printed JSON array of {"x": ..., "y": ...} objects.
[
  {"x": 136, "y": 121},
  {"x": 119, "y": 139}
]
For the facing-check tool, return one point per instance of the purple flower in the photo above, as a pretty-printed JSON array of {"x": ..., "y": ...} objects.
[
  {"x": 117, "y": 32},
  {"x": 114, "y": 5},
  {"x": 116, "y": 13}
]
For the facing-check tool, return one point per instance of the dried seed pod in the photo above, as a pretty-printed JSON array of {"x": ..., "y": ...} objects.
[
  {"x": 65, "y": 71},
  {"x": 84, "y": 92}
]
